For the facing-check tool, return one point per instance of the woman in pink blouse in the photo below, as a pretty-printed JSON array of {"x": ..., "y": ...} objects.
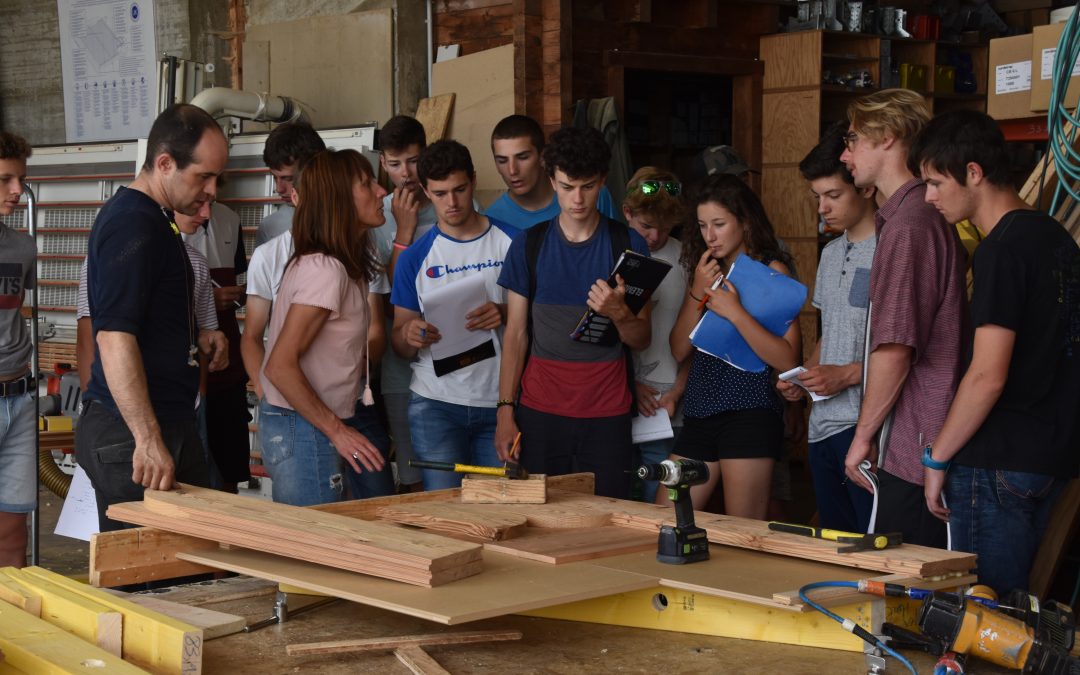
[{"x": 317, "y": 343}]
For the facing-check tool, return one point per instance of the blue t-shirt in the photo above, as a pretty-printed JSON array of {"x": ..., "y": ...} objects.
[
  {"x": 140, "y": 281},
  {"x": 507, "y": 210},
  {"x": 563, "y": 376}
]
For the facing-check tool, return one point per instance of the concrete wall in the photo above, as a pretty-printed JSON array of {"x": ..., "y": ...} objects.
[
  {"x": 31, "y": 82},
  {"x": 31, "y": 86}
]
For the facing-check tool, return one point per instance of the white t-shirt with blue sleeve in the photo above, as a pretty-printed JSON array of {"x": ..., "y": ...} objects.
[{"x": 433, "y": 261}]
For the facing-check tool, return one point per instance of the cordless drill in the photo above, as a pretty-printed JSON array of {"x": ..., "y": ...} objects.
[{"x": 685, "y": 542}]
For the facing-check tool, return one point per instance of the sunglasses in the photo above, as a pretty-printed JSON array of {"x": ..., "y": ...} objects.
[{"x": 651, "y": 187}]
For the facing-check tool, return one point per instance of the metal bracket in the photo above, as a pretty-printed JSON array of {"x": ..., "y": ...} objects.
[{"x": 282, "y": 611}]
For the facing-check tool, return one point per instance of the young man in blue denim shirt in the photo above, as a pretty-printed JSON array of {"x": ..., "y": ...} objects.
[{"x": 1011, "y": 436}]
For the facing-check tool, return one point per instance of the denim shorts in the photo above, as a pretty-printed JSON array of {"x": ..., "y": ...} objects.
[{"x": 18, "y": 454}]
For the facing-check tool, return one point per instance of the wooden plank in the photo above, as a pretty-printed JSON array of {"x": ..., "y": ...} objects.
[
  {"x": 135, "y": 556},
  {"x": 82, "y": 617},
  {"x": 1059, "y": 534},
  {"x": 35, "y": 646},
  {"x": 419, "y": 662},
  {"x": 919, "y": 561},
  {"x": 587, "y": 543},
  {"x": 374, "y": 644},
  {"x": 497, "y": 490},
  {"x": 151, "y": 639},
  {"x": 434, "y": 113},
  {"x": 508, "y": 585},
  {"x": 216, "y": 591},
  {"x": 398, "y": 570},
  {"x": 456, "y": 519},
  {"x": 308, "y": 534},
  {"x": 214, "y": 624}
]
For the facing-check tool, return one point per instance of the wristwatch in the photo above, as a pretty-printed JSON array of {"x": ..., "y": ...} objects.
[{"x": 932, "y": 463}]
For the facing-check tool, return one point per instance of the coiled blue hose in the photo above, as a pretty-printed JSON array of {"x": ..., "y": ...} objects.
[{"x": 1066, "y": 157}]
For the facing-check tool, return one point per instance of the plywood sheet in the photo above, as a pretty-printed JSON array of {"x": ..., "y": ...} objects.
[
  {"x": 341, "y": 67},
  {"x": 484, "y": 85},
  {"x": 507, "y": 585}
]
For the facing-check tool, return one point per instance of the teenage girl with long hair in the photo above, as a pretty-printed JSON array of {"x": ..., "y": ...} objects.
[
  {"x": 317, "y": 344},
  {"x": 733, "y": 419}
]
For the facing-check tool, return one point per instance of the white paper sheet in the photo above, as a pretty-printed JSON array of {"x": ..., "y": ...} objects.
[
  {"x": 79, "y": 518},
  {"x": 446, "y": 307},
  {"x": 655, "y": 428},
  {"x": 792, "y": 376}
]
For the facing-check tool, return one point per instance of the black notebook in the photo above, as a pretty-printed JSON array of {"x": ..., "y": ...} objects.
[{"x": 642, "y": 276}]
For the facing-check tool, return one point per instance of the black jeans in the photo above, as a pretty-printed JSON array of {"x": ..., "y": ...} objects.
[
  {"x": 557, "y": 445},
  {"x": 104, "y": 447},
  {"x": 902, "y": 508}
]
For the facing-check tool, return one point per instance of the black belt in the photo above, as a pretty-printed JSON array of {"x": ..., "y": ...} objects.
[{"x": 16, "y": 387}]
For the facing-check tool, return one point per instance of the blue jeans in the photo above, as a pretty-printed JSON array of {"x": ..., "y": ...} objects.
[
  {"x": 842, "y": 505},
  {"x": 654, "y": 452},
  {"x": 1000, "y": 516},
  {"x": 304, "y": 468},
  {"x": 370, "y": 483},
  {"x": 447, "y": 432}
]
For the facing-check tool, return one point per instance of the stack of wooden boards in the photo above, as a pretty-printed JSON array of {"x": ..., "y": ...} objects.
[
  {"x": 374, "y": 548},
  {"x": 52, "y": 624}
]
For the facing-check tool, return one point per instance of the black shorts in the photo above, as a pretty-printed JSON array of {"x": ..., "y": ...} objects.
[{"x": 733, "y": 434}]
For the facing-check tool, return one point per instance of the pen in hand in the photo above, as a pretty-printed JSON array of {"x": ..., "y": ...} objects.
[{"x": 705, "y": 298}]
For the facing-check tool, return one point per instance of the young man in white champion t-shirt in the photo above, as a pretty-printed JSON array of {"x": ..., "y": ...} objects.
[{"x": 452, "y": 416}]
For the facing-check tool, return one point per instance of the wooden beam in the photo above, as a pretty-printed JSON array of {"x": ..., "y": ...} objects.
[
  {"x": 157, "y": 642},
  {"x": 36, "y": 646},
  {"x": 419, "y": 662},
  {"x": 496, "y": 490},
  {"x": 14, "y": 593},
  {"x": 135, "y": 556},
  {"x": 214, "y": 624},
  {"x": 457, "y": 519},
  {"x": 375, "y": 644},
  {"x": 85, "y": 618}
]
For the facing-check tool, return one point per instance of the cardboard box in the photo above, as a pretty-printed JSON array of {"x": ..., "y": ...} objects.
[
  {"x": 1044, "y": 44},
  {"x": 1008, "y": 94}
]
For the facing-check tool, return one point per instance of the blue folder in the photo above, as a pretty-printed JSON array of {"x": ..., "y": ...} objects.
[{"x": 772, "y": 298}]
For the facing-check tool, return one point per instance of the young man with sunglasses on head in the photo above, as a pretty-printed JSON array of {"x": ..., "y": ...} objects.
[
  {"x": 575, "y": 397},
  {"x": 653, "y": 207},
  {"x": 1010, "y": 441},
  {"x": 916, "y": 316},
  {"x": 517, "y": 144}
]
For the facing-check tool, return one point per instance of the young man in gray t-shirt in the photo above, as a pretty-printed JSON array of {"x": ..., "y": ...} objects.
[
  {"x": 842, "y": 293},
  {"x": 18, "y": 442}
]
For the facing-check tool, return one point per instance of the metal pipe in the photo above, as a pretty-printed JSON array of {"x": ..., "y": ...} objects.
[
  {"x": 430, "y": 45},
  {"x": 249, "y": 105},
  {"x": 31, "y": 229}
]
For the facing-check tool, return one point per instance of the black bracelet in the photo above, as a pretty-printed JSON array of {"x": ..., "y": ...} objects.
[
  {"x": 505, "y": 401},
  {"x": 692, "y": 296}
]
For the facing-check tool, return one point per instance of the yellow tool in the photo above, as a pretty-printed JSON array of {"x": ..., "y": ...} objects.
[
  {"x": 511, "y": 470},
  {"x": 854, "y": 540}
]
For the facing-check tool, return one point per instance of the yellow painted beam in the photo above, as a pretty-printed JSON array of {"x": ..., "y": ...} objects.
[
  {"x": 31, "y": 645},
  {"x": 154, "y": 641},
  {"x": 672, "y": 609},
  {"x": 14, "y": 593},
  {"x": 80, "y": 616}
]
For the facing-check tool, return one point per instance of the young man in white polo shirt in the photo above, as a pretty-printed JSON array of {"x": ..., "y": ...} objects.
[{"x": 452, "y": 416}]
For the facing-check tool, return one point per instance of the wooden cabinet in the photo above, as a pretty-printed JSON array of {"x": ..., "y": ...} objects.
[{"x": 802, "y": 95}]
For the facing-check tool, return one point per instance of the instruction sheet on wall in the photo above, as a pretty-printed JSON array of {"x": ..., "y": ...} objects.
[{"x": 109, "y": 60}]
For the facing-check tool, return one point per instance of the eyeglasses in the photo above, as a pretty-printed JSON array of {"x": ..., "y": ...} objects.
[
  {"x": 850, "y": 138},
  {"x": 651, "y": 187}
]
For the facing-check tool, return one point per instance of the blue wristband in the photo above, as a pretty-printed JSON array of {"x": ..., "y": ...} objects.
[{"x": 931, "y": 463}]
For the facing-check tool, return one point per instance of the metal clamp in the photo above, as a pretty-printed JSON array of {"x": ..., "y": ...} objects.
[{"x": 282, "y": 611}]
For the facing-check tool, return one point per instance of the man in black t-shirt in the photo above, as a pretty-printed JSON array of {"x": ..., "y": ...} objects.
[
  {"x": 137, "y": 428},
  {"x": 1012, "y": 435}
]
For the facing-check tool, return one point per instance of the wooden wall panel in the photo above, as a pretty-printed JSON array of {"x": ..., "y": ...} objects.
[
  {"x": 788, "y": 202},
  {"x": 476, "y": 25},
  {"x": 787, "y": 62},
  {"x": 791, "y": 119}
]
